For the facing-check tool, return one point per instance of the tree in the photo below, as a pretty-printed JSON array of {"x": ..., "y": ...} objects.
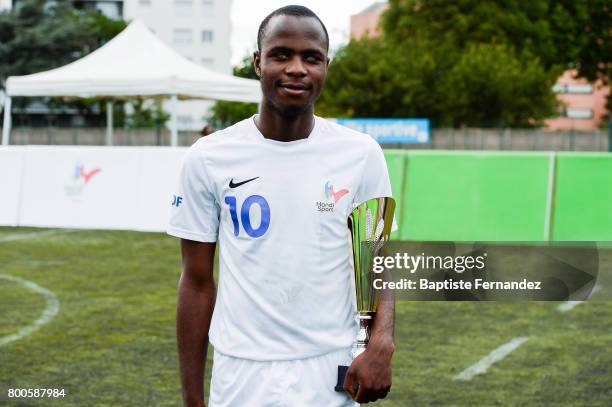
[
  {"x": 467, "y": 62},
  {"x": 224, "y": 114},
  {"x": 562, "y": 34},
  {"x": 489, "y": 86},
  {"x": 594, "y": 57},
  {"x": 484, "y": 85},
  {"x": 372, "y": 77},
  {"x": 38, "y": 35},
  {"x": 147, "y": 113}
]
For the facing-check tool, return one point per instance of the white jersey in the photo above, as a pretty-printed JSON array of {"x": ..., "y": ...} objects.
[{"x": 279, "y": 211}]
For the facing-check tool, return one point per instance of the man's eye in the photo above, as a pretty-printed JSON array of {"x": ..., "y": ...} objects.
[
  {"x": 313, "y": 59},
  {"x": 282, "y": 57}
]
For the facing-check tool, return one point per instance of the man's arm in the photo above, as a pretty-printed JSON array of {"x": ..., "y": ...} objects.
[
  {"x": 196, "y": 301},
  {"x": 372, "y": 369}
]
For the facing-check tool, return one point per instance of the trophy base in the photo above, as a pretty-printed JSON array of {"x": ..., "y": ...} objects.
[{"x": 341, "y": 376}]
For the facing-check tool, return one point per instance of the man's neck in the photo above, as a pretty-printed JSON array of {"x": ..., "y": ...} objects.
[{"x": 273, "y": 126}]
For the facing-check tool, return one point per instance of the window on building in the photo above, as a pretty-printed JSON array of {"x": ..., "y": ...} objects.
[
  {"x": 575, "y": 88},
  {"x": 183, "y": 7},
  {"x": 576, "y": 113},
  {"x": 208, "y": 8},
  {"x": 208, "y": 62},
  {"x": 182, "y": 36},
  {"x": 207, "y": 36}
]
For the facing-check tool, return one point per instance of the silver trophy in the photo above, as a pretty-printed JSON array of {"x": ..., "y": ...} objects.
[{"x": 369, "y": 226}]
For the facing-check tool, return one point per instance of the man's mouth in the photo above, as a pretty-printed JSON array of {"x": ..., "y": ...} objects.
[{"x": 294, "y": 88}]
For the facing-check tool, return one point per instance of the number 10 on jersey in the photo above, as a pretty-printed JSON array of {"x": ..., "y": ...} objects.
[{"x": 264, "y": 208}]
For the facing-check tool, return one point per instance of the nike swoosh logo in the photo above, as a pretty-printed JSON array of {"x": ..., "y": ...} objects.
[{"x": 237, "y": 184}]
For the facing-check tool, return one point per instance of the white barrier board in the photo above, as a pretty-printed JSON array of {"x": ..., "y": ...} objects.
[
  {"x": 158, "y": 176},
  {"x": 126, "y": 188},
  {"x": 11, "y": 168}
]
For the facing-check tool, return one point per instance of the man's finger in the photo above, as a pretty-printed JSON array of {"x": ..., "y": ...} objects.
[
  {"x": 350, "y": 385},
  {"x": 367, "y": 395},
  {"x": 362, "y": 396}
]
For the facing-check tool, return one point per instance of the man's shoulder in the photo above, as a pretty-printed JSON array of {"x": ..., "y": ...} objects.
[
  {"x": 337, "y": 130},
  {"x": 231, "y": 134}
]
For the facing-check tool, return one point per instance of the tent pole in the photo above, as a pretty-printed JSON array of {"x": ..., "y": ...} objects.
[
  {"x": 6, "y": 128},
  {"x": 173, "y": 122},
  {"x": 109, "y": 123}
]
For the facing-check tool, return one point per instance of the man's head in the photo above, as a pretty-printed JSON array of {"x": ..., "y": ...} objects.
[{"x": 291, "y": 59}]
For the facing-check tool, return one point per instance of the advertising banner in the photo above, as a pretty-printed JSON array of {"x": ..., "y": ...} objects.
[{"x": 391, "y": 131}]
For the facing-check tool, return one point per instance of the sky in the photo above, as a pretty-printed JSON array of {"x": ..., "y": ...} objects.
[{"x": 247, "y": 14}]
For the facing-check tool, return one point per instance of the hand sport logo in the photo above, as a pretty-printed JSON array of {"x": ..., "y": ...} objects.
[
  {"x": 331, "y": 197},
  {"x": 330, "y": 193},
  {"x": 80, "y": 178},
  {"x": 81, "y": 174}
]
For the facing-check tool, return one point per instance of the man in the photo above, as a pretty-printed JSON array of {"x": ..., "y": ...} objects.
[{"x": 276, "y": 190}]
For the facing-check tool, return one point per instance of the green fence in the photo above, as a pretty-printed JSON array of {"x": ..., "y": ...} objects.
[{"x": 501, "y": 196}]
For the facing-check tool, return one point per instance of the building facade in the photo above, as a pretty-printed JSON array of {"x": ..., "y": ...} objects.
[
  {"x": 366, "y": 22},
  {"x": 5, "y": 5},
  {"x": 199, "y": 30},
  {"x": 583, "y": 104}
]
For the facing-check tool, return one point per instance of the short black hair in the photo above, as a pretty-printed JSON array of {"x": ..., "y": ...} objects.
[{"x": 293, "y": 10}]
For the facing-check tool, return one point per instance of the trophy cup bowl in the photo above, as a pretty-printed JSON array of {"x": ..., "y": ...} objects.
[{"x": 369, "y": 226}]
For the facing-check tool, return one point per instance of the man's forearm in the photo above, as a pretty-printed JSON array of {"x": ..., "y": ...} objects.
[
  {"x": 381, "y": 334},
  {"x": 194, "y": 312}
]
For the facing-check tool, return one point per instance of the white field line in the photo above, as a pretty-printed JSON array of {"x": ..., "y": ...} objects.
[
  {"x": 51, "y": 310},
  {"x": 21, "y": 236},
  {"x": 496, "y": 355},
  {"x": 550, "y": 190},
  {"x": 570, "y": 305}
]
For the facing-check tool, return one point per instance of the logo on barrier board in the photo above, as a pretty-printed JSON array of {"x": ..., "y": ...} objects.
[{"x": 79, "y": 179}]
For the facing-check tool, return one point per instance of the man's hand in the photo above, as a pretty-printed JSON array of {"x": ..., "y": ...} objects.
[{"x": 371, "y": 371}]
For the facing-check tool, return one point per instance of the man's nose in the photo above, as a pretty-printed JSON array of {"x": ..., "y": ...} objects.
[{"x": 296, "y": 67}]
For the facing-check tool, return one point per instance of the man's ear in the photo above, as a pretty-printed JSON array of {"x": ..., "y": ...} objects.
[
  {"x": 328, "y": 61},
  {"x": 257, "y": 63}
]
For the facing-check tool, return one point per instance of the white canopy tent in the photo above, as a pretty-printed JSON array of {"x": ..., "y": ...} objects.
[{"x": 133, "y": 64}]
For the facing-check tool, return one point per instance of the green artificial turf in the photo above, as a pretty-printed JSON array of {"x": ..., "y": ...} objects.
[{"x": 113, "y": 342}]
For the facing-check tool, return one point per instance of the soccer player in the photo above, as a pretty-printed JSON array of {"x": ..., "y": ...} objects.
[{"x": 275, "y": 190}]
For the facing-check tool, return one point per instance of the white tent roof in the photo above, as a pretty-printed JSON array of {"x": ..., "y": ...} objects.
[{"x": 135, "y": 63}]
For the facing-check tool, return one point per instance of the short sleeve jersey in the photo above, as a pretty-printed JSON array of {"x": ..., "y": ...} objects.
[{"x": 279, "y": 212}]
